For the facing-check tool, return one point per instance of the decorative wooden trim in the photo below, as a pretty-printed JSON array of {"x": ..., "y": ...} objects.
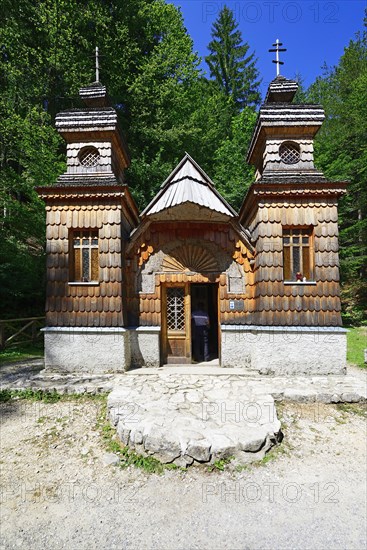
[
  {"x": 300, "y": 283},
  {"x": 188, "y": 257},
  {"x": 81, "y": 283},
  {"x": 286, "y": 191}
]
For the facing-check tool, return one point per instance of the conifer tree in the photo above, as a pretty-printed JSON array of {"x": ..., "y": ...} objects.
[{"x": 230, "y": 64}]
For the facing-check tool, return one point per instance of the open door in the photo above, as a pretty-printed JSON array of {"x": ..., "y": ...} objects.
[
  {"x": 176, "y": 325},
  {"x": 178, "y": 302},
  {"x": 205, "y": 295}
]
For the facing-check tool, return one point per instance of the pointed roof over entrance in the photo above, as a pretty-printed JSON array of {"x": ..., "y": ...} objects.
[{"x": 188, "y": 183}]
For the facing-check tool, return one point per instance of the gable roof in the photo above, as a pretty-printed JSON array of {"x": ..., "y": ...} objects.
[{"x": 188, "y": 183}]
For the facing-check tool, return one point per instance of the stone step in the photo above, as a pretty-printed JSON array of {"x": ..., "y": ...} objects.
[
  {"x": 194, "y": 369},
  {"x": 194, "y": 424}
]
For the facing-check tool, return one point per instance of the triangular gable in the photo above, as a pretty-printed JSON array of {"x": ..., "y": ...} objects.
[{"x": 188, "y": 183}]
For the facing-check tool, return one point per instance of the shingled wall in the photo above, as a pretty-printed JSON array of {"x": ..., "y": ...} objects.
[
  {"x": 310, "y": 303},
  {"x": 70, "y": 304}
]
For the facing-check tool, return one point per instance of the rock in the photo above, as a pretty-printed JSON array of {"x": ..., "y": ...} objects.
[
  {"x": 300, "y": 396},
  {"x": 199, "y": 450},
  {"x": 324, "y": 398},
  {"x": 335, "y": 398},
  {"x": 222, "y": 447},
  {"x": 177, "y": 398},
  {"x": 84, "y": 451},
  {"x": 185, "y": 435},
  {"x": 183, "y": 461},
  {"x": 251, "y": 440},
  {"x": 193, "y": 396},
  {"x": 350, "y": 397},
  {"x": 136, "y": 437},
  {"x": 123, "y": 433},
  {"x": 110, "y": 459},
  {"x": 160, "y": 444}
]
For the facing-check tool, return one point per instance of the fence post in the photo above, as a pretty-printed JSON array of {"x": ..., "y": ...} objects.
[
  {"x": 2, "y": 336},
  {"x": 34, "y": 331}
]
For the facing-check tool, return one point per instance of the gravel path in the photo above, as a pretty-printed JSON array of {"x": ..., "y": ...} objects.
[{"x": 58, "y": 494}]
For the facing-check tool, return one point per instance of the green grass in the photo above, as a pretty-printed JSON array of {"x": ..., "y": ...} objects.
[
  {"x": 359, "y": 409},
  {"x": 127, "y": 456},
  {"x": 356, "y": 343},
  {"x": 21, "y": 352},
  {"x": 220, "y": 464},
  {"x": 50, "y": 396}
]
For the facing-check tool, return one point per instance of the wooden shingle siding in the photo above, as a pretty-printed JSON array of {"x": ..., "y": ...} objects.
[
  {"x": 84, "y": 305},
  {"x": 296, "y": 304}
]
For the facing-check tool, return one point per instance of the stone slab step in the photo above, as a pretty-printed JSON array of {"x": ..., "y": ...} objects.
[
  {"x": 205, "y": 369},
  {"x": 194, "y": 423}
]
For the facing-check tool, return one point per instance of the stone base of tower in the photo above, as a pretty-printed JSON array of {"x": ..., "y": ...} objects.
[
  {"x": 93, "y": 350},
  {"x": 282, "y": 351}
]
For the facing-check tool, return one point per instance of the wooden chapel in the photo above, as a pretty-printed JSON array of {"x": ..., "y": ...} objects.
[{"x": 121, "y": 286}]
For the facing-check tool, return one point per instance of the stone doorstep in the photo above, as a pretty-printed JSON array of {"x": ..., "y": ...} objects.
[
  {"x": 202, "y": 368},
  {"x": 186, "y": 442}
]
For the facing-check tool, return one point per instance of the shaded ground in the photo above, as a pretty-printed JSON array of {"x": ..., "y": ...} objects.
[{"x": 57, "y": 492}]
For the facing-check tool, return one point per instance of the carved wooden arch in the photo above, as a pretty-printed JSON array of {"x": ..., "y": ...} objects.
[
  {"x": 190, "y": 257},
  {"x": 194, "y": 256}
]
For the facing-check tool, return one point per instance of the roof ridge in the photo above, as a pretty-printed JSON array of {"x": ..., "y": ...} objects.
[{"x": 180, "y": 197}]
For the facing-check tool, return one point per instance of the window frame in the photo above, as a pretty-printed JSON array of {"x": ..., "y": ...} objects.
[
  {"x": 300, "y": 231},
  {"x": 93, "y": 234},
  {"x": 83, "y": 155},
  {"x": 290, "y": 145}
]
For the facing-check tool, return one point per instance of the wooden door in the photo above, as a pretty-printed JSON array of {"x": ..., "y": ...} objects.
[{"x": 176, "y": 324}]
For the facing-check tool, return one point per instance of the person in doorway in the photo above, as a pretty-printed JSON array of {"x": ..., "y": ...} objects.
[{"x": 200, "y": 333}]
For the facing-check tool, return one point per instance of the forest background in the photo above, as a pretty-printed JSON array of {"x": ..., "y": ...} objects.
[{"x": 166, "y": 105}]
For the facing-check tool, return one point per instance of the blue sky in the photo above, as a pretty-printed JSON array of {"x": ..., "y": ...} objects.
[{"x": 313, "y": 31}]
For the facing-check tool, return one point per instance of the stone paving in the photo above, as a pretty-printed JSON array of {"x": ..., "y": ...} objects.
[
  {"x": 187, "y": 414},
  {"x": 349, "y": 388},
  {"x": 201, "y": 419}
]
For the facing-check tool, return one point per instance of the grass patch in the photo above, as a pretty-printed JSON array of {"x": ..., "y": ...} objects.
[
  {"x": 48, "y": 396},
  {"x": 220, "y": 464},
  {"x": 356, "y": 343},
  {"x": 280, "y": 449},
  {"x": 21, "y": 352},
  {"x": 359, "y": 409},
  {"x": 127, "y": 456}
]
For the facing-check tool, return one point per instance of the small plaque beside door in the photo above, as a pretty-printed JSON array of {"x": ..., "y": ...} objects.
[{"x": 237, "y": 305}]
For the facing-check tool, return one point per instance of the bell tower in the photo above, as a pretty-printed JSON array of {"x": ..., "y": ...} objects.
[
  {"x": 89, "y": 215},
  {"x": 282, "y": 144},
  {"x": 291, "y": 213}
]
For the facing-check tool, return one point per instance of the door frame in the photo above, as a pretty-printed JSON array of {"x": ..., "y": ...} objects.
[
  {"x": 186, "y": 285},
  {"x": 178, "y": 335}
]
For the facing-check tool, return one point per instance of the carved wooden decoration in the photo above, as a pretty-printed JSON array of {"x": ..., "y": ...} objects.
[{"x": 189, "y": 258}]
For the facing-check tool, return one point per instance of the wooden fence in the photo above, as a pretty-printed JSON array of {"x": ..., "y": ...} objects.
[{"x": 20, "y": 331}]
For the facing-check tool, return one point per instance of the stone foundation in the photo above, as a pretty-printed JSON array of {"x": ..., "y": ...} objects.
[
  {"x": 101, "y": 350},
  {"x": 145, "y": 346},
  {"x": 273, "y": 351},
  {"x": 85, "y": 349},
  {"x": 285, "y": 350}
]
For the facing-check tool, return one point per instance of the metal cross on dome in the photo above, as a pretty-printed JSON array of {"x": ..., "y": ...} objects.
[{"x": 277, "y": 49}]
